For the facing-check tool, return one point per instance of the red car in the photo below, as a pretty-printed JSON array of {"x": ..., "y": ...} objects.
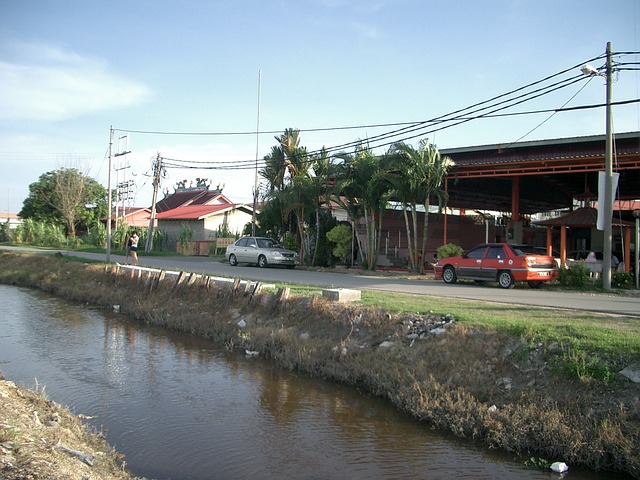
[{"x": 501, "y": 262}]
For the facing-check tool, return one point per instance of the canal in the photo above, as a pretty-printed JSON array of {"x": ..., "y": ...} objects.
[{"x": 181, "y": 408}]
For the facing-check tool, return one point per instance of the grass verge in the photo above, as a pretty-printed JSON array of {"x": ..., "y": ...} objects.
[{"x": 533, "y": 381}]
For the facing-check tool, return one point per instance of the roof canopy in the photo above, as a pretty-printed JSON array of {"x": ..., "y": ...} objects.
[{"x": 585, "y": 217}]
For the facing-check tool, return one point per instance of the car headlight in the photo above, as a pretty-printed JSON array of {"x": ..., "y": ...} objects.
[{"x": 276, "y": 253}]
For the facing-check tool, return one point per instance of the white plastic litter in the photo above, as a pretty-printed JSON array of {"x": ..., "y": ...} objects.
[{"x": 559, "y": 467}]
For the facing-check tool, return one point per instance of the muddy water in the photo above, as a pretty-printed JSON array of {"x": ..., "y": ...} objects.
[{"x": 181, "y": 408}]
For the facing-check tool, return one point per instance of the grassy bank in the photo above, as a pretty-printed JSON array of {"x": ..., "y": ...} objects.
[{"x": 538, "y": 382}]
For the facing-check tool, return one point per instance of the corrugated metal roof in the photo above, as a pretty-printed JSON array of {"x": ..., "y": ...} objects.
[{"x": 585, "y": 217}]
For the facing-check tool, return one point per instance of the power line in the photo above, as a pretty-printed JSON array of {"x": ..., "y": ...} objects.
[
  {"x": 490, "y": 108},
  {"x": 246, "y": 164}
]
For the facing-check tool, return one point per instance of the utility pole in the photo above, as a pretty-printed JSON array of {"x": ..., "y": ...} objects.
[
  {"x": 109, "y": 194},
  {"x": 608, "y": 183},
  {"x": 118, "y": 168},
  {"x": 157, "y": 171}
]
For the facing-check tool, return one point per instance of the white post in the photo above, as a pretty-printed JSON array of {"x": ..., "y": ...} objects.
[{"x": 255, "y": 183}]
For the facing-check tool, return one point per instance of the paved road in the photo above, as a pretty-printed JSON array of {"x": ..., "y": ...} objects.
[{"x": 618, "y": 304}]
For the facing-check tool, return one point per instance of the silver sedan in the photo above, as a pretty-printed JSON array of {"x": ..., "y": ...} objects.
[{"x": 261, "y": 251}]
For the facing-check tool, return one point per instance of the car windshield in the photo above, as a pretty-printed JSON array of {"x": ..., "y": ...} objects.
[{"x": 267, "y": 243}]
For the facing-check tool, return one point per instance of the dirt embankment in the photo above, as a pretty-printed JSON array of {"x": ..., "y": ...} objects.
[
  {"x": 482, "y": 385},
  {"x": 40, "y": 439}
]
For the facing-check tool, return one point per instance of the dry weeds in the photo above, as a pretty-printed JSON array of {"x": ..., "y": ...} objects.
[
  {"x": 481, "y": 385},
  {"x": 40, "y": 439}
]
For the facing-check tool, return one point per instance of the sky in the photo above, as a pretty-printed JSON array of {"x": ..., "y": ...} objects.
[{"x": 212, "y": 82}]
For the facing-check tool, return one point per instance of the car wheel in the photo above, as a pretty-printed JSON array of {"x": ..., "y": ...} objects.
[
  {"x": 505, "y": 279},
  {"x": 535, "y": 284},
  {"x": 262, "y": 261},
  {"x": 233, "y": 261},
  {"x": 449, "y": 275}
]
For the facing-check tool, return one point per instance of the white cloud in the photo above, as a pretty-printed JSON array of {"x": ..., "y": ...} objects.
[{"x": 51, "y": 84}]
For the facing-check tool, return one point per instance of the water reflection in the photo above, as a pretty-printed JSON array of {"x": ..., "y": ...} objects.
[{"x": 179, "y": 407}]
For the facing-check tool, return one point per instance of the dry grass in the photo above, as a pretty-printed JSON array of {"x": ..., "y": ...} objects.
[
  {"x": 477, "y": 382},
  {"x": 41, "y": 439}
]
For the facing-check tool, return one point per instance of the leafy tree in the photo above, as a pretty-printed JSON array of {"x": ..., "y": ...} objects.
[
  {"x": 340, "y": 235},
  {"x": 63, "y": 197}
]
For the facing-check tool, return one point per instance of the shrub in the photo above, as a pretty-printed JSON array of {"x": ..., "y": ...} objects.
[
  {"x": 340, "y": 236},
  {"x": 5, "y": 232},
  {"x": 574, "y": 277},
  {"x": 449, "y": 250},
  {"x": 98, "y": 235},
  {"x": 621, "y": 280},
  {"x": 290, "y": 242}
]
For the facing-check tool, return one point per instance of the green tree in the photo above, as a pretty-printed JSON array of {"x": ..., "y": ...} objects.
[
  {"x": 287, "y": 163},
  {"x": 340, "y": 235},
  {"x": 364, "y": 193},
  {"x": 417, "y": 177},
  {"x": 65, "y": 197}
]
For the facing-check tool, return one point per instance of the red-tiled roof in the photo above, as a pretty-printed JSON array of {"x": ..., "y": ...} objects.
[
  {"x": 193, "y": 212},
  {"x": 190, "y": 197},
  {"x": 210, "y": 198}
]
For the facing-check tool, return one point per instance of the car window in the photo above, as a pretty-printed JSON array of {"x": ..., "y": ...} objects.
[
  {"x": 268, "y": 243},
  {"x": 522, "y": 250},
  {"x": 476, "y": 252},
  {"x": 251, "y": 242},
  {"x": 241, "y": 243},
  {"x": 496, "y": 252}
]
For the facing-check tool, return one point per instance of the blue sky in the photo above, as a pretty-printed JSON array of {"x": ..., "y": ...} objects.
[{"x": 71, "y": 69}]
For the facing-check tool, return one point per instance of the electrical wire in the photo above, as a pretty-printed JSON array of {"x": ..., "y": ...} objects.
[{"x": 490, "y": 108}]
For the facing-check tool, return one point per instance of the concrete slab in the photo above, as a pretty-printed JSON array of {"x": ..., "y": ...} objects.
[{"x": 341, "y": 295}]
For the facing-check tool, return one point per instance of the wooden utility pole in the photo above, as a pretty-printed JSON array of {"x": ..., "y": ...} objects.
[{"x": 157, "y": 171}]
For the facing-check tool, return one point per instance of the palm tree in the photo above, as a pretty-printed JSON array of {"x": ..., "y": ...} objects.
[
  {"x": 287, "y": 162},
  {"x": 274, "y": 170},
  {"x": 365, "y": 192},
  {"x": 418, "y": 176},
  {"x": 295, "y": 157}
]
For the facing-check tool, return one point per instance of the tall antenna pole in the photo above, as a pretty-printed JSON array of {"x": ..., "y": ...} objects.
[{"x": 255, "y": 183}]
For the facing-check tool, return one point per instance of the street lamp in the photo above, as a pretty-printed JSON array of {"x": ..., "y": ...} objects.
[{"x": 607, "y": 207}]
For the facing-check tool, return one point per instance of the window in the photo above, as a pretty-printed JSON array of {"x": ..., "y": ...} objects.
[
  {"x": 477, "y": 252},
  {"x": 496, "y": 252}
]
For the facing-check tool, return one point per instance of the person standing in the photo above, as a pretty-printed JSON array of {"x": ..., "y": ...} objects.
[
  {"x": 133, "y": 247},
  {"x": 128, "y": 250}
]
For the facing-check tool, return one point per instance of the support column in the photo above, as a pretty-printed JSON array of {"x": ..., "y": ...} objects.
[
  {"x": 446, "y": 191},
  {"x": 563, "y": 245},
  {"x": 515, "y": 224},
  {"x": 515, "y": 199},
  {"x": 627, "y": 250}
]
